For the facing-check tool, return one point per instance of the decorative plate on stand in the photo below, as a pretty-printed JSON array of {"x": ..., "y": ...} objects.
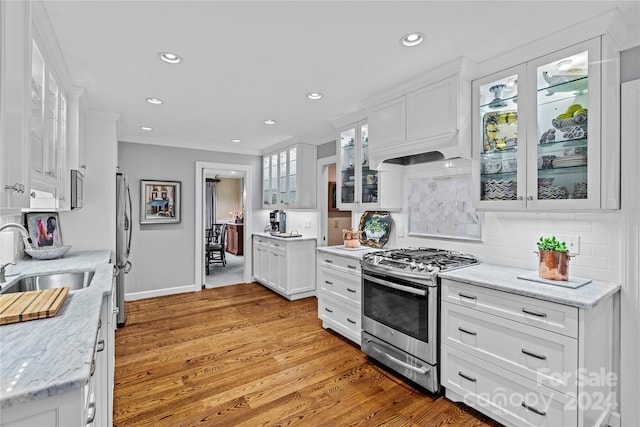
[{"x": 375, "y": 228}]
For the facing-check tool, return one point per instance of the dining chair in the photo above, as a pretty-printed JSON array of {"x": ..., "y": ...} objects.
[{"x": 216, "y": 245}]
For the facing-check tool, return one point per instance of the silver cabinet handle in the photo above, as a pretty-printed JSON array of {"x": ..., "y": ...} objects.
[
  {"x": 92, "y": 412},
  {"x": 16, "y": 188},
  {"x": 351, "y": 266},
  {"x": 101, "y": 346},
  {"x": 534, "y": 410},
  {"x": 520, "y": 198},
  {"x": 469, "y": 332},
  {"x": 328, "y": 282},
  {"x": 537, "y": 356},
  {"x": 529, "y": 198},
  {"x": 351, "y": 290},
  {"x": 467, "y": 377},
  {"x": 534, "y": 313},
  {"x": 351, "y": 321},
  {"x": 328, "y": 261},
  {"x": 329, "y": 310},
  {"x": 407, "y": 289},
  {"x": 467, "y": 296}
]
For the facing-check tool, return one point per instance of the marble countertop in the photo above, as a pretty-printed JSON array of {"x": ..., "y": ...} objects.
[
  {"x": 287, "y": 239},
  {"x": 340, "y": 250},
  {"x": 504, "y": 278},
  {"x": 45, "y": 357}
]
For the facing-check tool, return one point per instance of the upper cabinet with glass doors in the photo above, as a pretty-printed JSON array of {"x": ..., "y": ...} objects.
[
  {"x": 358, "y": 186},
  {"x": 538, "y": 134},
  {"x": 289, "y": 178}
]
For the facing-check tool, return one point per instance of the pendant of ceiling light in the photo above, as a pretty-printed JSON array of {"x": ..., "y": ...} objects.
[{"x": 412, "y": 39}]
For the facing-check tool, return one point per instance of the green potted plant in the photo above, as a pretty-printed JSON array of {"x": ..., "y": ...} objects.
[{"x": 554, "y": 259}]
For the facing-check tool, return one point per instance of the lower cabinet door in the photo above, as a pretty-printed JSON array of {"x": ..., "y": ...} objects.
[
  {"x": 503, "y": 395},
  {"x": 340, "y": 317}
]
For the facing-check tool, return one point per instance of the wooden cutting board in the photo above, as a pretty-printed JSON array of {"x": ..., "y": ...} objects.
[{"x": 30, "y": 305}]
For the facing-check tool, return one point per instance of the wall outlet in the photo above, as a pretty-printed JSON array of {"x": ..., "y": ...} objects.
[{"x": 572, "y": 241}]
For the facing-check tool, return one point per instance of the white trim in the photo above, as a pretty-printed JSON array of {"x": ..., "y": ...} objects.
[
  {"x": 323, "y": 195},
  {"x": 158, "y": 292},
  {"x": 199, "y": 211},
  {"x": 614, "y": 420}
]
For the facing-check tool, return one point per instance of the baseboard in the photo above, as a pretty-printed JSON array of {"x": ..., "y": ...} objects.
[
  {"x": 614, "y": 419},
  {"x": 158, "y": 292}
]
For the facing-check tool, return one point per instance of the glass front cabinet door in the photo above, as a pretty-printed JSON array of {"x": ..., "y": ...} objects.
[
  {"x": 357, "y": 184},
  {"x": 537, "y": 142},
  {"x": 286, "y": 184}
]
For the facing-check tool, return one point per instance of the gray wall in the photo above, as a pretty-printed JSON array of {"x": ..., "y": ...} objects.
[
  {"x": 163, "y": 254},
  {"x": 327, "y": 149},
  {"x": 630, "y": 64}
]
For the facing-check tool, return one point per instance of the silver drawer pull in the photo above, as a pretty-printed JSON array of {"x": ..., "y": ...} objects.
[
  {"x": 351, "y": 266},
  {"x": 329, "y": 310},
  {"x": 468, "y": 332},
  {"x": 351, "y": 321},
  {"x": 467, "y": 377},
  {"x": 328, "y": 261},
  {"x": 532, "y": 409},
  {"x": 417, "y": 369},
  {"x": 537, "y": 356},
  {"x": 101, "y": 346},
  {"x": 534, "y": 313},
  {"x": 351, "y": 290},
  {"x": 467, "y": 296},
  {"x": 92, "y": 412},
  {"x": 328, "y": 282}
]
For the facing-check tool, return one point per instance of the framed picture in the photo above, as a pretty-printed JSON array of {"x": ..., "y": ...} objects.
[
  {"x": 375, "y": 228},
  {"x": 159, "y": 202},
  {"x": 44, "y": 229}
]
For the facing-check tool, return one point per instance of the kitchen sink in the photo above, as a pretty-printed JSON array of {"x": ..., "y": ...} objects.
[{"x": 74, "y": 281}]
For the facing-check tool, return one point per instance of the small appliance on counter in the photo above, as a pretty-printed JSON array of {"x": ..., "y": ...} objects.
[{"x": 278, "y": 221}]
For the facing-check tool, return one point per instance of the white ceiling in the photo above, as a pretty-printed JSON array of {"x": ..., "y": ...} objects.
[{"x": 246, "y": 61}]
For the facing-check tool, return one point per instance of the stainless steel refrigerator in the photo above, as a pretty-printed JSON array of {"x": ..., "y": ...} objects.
[{"x": 123, "y": 242}]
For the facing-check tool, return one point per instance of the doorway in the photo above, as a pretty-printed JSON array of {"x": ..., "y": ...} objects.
[{"x": 239, "y": 270}]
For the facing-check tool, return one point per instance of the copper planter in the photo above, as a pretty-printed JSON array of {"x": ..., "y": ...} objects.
[{"x": 553, "y": 265}]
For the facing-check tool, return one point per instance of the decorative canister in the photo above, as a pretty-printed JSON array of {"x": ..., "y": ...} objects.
[
  {"x": 553, "y": 265},
  {"x": 351, "y": 238}
]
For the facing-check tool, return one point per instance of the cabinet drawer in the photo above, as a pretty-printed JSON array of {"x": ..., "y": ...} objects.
[
  {"x": 530, "y": 311},
  {"x": 539, "y": 355},
  {"x": 340, "y": 285},
  {"x": 343, "y": 318},
  {"x": 503, "y": 395},
  {"x": 342, "y": 263}
]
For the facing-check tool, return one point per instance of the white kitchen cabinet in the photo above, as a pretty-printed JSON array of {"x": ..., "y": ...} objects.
[
  {"x": 15, "y": 30},
  {"x": 339, "y": 294},
  {"x": 525, "y": 361},
  {"x": 289, "y": 178},
  {"x": 283, "y": 265},
  {"x": 542, "y": 138},
  {"x": 358, "y": 186},
  {"x": 425, "y": 115}
]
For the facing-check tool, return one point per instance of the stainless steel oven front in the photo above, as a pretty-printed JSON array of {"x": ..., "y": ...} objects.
[{"x": 400, "y": 323}]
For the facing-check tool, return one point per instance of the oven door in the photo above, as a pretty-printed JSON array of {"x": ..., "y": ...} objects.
[{"x": 402, "y": 313}]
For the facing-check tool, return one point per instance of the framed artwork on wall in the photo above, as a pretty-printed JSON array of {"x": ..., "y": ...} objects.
[
  {"x": 159, "y": 202},
  {"x": 44, "y": 229}
]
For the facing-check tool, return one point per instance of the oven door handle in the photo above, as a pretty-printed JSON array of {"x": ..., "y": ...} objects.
[
  {"x": 418, "y": 370},
  {"x": 388, "y": 284}
]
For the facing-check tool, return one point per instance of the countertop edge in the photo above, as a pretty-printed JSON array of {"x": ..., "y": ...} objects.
[
  {"x": 285, "y": 239},
  {"x": 505, "y": 279}
]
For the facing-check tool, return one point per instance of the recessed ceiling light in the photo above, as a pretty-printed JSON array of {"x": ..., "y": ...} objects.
[
  {"x": 269, "y": 122},
  {"x": 155, "y": 101},
  {"x": 412, "y": 39},
  {"x": 565, "y": 64},
  {"x": 314, "y": 95},
  {"x": 170, "y": 58},
  {"x": 235, "y": 140},
  {"x": 146, "y": 128}
]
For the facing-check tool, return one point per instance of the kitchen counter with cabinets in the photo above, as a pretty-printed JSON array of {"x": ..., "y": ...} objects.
[
  {"x": 47, "y": 359},
  {"x": 505, "y": 279}
]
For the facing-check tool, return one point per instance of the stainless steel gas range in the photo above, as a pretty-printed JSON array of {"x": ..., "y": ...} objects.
[{"x": 401, "y": 309}]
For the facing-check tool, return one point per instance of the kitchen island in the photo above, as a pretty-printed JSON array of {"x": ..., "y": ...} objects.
[{"x": 48, "y": 364}]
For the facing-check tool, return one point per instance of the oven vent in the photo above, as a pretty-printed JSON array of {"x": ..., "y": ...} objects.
[{"x": 416, "y": 159}]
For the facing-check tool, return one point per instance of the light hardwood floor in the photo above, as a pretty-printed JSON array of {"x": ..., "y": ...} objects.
[{"x": 244, "y": 356}]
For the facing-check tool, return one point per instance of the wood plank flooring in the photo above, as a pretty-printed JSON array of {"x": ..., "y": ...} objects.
[{"x": 243, "y": 356}]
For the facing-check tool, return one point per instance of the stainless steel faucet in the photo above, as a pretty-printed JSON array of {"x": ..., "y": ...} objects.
[
  {"x": 25, "y": 234},
  {"x": 2, "y": 271}
]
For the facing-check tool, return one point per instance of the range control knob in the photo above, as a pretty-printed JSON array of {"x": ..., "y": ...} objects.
[
  {"x": 413, "y": 266},
  {"x": 421, "y": 267}
]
